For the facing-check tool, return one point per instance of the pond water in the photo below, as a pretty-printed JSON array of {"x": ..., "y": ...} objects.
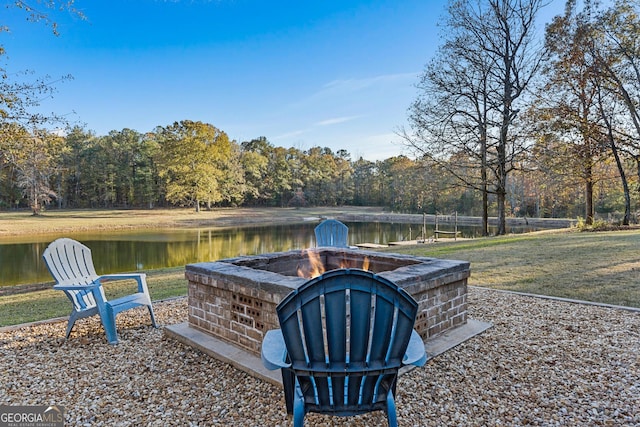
[{"x": 21, "y": 257}]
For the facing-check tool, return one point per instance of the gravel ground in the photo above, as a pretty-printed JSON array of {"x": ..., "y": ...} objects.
[{"x": 543, "y": 363}]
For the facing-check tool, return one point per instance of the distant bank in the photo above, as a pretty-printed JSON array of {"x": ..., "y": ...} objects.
[{"x": 17, "y": 223}]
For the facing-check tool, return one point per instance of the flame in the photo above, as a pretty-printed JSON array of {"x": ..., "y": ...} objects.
[
  {"x": 315, "y": 267},
  {"x": 345, "y": 263}
]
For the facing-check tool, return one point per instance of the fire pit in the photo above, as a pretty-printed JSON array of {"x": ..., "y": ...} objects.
[{"x": 235, "y": 299}]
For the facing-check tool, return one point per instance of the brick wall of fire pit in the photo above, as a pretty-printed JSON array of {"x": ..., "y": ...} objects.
[{"x": 235, "y": 299}]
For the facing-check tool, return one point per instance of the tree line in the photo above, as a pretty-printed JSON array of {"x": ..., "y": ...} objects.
[
  {"x": 505, "y": 122},
  {"x": 195, "y": 164}
]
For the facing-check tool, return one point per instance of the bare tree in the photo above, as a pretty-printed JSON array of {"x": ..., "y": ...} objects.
[
  {"x": 20, "y": 95},
  {"x": 470, "y": 93},
  {"x": 35, "y": 158},
  {"x": 593, "y": 78}
]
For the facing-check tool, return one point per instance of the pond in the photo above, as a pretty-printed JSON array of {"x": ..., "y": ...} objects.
[{"x": 21, "y": 257}]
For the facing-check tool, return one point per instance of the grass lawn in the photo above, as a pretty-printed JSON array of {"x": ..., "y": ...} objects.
[
  {"x": 48, "y": 304},
  {"x": 594, "y": 266}
]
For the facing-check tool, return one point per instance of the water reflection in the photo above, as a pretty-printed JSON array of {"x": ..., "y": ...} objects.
[{"x": 21, "y": 258}]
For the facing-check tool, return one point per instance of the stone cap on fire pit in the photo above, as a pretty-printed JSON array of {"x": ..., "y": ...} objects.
[{"x": 281, "y": 272}]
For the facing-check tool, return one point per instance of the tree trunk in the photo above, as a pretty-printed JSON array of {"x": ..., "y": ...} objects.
[
  {"x": 637, "y": 159},
  {"x": 588, "y": 202},
  {"x": 502, "y": 216},
  {"x": 501, "y": 187},
  {"x": 485, "y": 210},
  {"x": 623, "y": 177},
  {"x": 483, "y": 177}
]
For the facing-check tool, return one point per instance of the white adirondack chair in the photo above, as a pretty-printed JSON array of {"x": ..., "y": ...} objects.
[{"x": 71, "y": 266}]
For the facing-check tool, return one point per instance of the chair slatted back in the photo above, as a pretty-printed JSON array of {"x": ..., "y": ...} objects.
[
  {"x": 346, "y": 333},
  {"x": 70, "y": 263},
  {"x": 332, "y": 232}
]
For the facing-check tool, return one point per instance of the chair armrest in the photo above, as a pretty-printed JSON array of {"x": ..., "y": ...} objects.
[
  {"x": 415, "y": 354},
  {"x": 274, "y": 351},
  {"x": 63, "y": 287},
  {"x": 141, "y": 278},
  {"x": 121, "y": 276}
]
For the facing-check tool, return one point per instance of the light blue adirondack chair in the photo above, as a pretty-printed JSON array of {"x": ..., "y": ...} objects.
[
  {"x": 71, "y": 266},
  {"x": 331, "y": 232},
  {"x": 344, "y": 335}
]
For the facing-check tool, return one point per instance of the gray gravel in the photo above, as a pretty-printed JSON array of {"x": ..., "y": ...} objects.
[{"x": 544, "y": 363}]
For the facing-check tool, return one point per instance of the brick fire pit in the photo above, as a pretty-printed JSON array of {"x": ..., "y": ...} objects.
[{"x": 234, "y": 299}]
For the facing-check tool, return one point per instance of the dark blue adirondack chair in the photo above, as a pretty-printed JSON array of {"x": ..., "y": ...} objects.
[
  {"x": 331, "y": 232},
  {"x": 71, "y": 265},
  {"x": 344, "y": 335}
]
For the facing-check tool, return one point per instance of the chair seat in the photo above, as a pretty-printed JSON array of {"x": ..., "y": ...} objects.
[
  {"x": 129, "y": 301},
  {"x": 274, "y": 353}
]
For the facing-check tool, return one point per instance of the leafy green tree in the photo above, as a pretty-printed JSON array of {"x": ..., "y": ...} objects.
[
  {"x": 364, "y": 172},
  {"x": 281, "y": 178},
  {"x": 146, "y": 176},
  {"x": 130, "y": 168},
  {"x": 233, "y": 185},
  {"x": 321, "y": 175},
  {"x": 343, "y": 177},
  {"x": 192, "y": 157},
  {"x": 255, "y": 156}
]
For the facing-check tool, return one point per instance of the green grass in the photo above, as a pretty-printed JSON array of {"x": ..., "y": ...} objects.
[
  {"x": 601, "y": 267},
  {"x": 48, "y": 304}
]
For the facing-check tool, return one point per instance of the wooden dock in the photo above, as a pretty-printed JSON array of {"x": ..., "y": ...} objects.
[
  {"x": 371, "y": 246},
  {"x": 407, "y": 242}
]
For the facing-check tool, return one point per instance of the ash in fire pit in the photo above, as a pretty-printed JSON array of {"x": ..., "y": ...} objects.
[{"x": 235, "y": 299}]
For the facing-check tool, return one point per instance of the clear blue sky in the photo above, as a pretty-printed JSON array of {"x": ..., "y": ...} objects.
[{"x": 334, "y": 73}]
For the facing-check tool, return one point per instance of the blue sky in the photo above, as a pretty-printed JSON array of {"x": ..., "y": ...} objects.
[{"x": 331, "y": 73}]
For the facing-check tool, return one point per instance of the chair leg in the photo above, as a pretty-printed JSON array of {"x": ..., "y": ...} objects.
[
  {"x": 392, "y": 416},
  {"x": 70, "y": 324},
  {"x": 109, "y": 324},
  {"x": 153, "y": 317},
  {"x": 72, "y": 321},
  {"x": 298, "y": 408},
  {"x": 289, "y": 385}
]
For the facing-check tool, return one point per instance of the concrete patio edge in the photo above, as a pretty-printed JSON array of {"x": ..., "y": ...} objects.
[{"x": 252, "y": 365}]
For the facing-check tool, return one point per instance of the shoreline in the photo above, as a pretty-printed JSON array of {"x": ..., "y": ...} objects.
[{"x": 22, "y": 223}]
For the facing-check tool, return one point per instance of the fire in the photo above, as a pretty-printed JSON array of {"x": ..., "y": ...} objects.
[
  {"x": 345, "y": 263},
  {"x": 315, "y": 267}
]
